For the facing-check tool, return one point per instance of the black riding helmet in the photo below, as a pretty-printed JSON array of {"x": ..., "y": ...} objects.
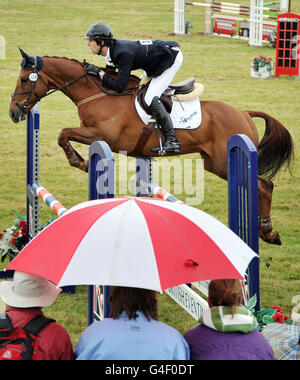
[{"x": 100, "y": 31}]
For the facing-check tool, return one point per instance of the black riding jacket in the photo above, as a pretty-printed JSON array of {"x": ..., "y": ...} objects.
[{"x": 154, "y": 57}]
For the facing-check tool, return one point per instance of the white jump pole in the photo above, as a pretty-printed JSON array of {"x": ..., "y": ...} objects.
[
  {"x": 208, "y": 13},
  {"x": 256, "y": 22},
  {"x": 179, "y": 17},
  {"x": 284, "y": 6}
]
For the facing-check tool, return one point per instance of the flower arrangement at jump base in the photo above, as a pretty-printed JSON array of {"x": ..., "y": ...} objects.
[
  {"x": 262, "y": 67},
  {"x": 14, "y": 239}
]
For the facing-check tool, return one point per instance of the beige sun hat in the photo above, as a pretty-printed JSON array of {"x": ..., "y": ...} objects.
[{"x": 28, "y": 290}]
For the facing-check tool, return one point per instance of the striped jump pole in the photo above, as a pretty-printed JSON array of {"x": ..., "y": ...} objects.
[
  {"x": 281, "y": 5},
  {"x": 144, "y": 181},
  {"x": 197, "y": 4},
  {"x": 221, "y": 3},
  {"x": 159, "y": 192},
  {"x": 272, "y": 3},
  {"x": 49, "y": 199},
  {"x": 231, "y": 8}
]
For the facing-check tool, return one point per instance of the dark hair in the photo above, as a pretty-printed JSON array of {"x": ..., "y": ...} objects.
[
  {"x": 132, "y": 300},
  {"x": 107, "y": 41},
  {"x": 225, "y": 293}
]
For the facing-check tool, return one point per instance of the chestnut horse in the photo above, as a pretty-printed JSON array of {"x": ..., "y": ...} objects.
[{"x": 115, "y": 120}]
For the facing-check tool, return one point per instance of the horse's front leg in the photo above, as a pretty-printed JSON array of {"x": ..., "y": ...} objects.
[{"x": 84, "y": 135}]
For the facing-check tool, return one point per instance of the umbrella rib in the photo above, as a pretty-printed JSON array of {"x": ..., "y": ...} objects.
[
  {"x": 117, "y": 243},
  {"x": 124, "y": 221}
]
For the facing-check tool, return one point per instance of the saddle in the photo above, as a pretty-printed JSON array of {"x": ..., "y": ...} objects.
[
  {"x": 185, "y": 90},
  {"x": 174, "y": 90}
]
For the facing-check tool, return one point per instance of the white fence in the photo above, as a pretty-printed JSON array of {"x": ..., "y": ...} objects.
[{"x": 254, "y": 12}]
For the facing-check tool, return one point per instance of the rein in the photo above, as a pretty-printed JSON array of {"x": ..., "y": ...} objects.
[
  {"x": 128, "y": 91},
  {"x": 106, "y": 92},
  {"x": 67, "y": 84},
  {"x": 120, "y": 93}
]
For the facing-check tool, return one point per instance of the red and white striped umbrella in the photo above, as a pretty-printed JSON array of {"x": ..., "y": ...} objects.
[{"x": 136, "y": 242}]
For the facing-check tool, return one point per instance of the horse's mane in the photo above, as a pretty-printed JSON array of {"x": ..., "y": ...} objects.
[
  {"x": 134, "y": 80},
  {"x": 69, "y": 59}
]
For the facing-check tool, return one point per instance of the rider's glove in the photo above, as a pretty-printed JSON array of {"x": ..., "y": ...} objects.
[{"x": 94, "y": 70}]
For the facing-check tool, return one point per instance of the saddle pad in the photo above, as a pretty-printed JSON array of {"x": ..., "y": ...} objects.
[{"x": 185, "y": 114}]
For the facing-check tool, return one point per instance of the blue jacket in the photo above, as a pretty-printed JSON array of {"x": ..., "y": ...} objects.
[
  {"x": 154, "y": 57},
  {"x": 134, "y": 339}
]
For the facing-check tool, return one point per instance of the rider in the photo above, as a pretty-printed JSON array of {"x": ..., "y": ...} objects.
[{"x": 159, "y": 59}]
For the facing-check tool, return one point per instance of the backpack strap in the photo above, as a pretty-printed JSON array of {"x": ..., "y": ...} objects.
[
  {"x": 5, "y": 322},
  {"x": 37, "y": 324},
  {"x": 34, "y": 326}
]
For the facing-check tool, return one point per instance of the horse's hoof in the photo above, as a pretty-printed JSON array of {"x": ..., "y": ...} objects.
[
  {"x": 271, "y": 237},
  {"x": 84, "y": 166},
  {"x": 277, "y": 239}
]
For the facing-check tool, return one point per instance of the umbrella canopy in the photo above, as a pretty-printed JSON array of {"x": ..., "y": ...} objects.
[
  {"x": 284, "y": 340},
  {"x": 136, "y": 242}
]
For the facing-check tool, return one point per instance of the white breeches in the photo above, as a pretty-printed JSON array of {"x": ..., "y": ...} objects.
[{"x": 159, "y": 84}]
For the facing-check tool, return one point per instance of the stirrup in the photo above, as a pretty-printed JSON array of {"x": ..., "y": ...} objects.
[
  {"x": 159, "y": 150},
  {"x": 168, "y": 147}
]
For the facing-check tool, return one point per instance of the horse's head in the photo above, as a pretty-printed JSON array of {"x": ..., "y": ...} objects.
[{"x": 30, "y": 88}]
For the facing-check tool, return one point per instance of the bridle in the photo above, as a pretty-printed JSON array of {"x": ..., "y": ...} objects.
[{"x": 33, "y": 96}]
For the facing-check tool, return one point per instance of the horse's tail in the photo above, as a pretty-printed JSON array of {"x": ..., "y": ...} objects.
[{"x": 275, "y": 148}]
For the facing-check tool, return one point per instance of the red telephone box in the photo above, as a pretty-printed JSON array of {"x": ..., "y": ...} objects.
[{"x": 288, "y": 45}]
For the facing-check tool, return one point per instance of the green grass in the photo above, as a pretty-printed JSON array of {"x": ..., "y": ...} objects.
[{"x": 221, "y": 64}]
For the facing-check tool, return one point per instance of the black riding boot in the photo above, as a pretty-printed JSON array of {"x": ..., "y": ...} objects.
[{"x": 164, "y": 120}]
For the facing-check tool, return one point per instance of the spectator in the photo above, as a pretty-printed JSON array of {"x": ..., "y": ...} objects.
[
  {"x": 227, "y": 330},
  {"x": 25, "y": 297},
  {"x": 132, "y": 332}
]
